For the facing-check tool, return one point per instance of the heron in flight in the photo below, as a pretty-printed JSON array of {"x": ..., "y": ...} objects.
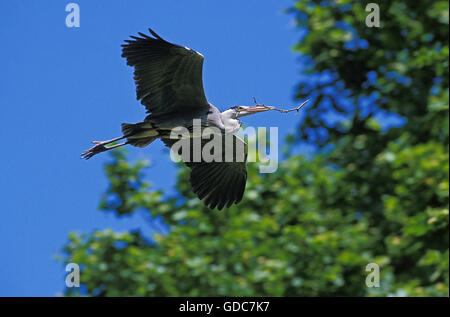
[{"x": 169, "y": 84}]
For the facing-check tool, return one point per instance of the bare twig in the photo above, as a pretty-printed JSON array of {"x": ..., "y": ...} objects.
[{"x": 280, "y": 110}]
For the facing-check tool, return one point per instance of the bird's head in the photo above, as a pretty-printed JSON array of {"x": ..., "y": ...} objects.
[{"x": 241, "y": 111}]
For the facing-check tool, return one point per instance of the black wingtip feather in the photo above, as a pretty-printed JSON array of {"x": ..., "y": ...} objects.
[
  {"x": 144, "y": 35},
  {"x": 241, "y": 193},
  {"x": 155, "y": 35}
]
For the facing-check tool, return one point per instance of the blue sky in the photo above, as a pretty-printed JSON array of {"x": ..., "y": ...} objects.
[{"x": 63, "y": 87}]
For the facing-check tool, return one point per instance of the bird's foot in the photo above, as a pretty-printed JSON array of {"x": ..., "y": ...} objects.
[{"x": 98, "y": 148}]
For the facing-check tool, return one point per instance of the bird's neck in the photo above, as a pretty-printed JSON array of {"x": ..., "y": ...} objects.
[{"x": 231, "y": 124}]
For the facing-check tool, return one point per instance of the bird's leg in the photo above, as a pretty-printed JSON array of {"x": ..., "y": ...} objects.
[
  {"x": 108, "y": 141},
  {"x": 115, "y": 145},
  {"x": 100, "y": 147}
]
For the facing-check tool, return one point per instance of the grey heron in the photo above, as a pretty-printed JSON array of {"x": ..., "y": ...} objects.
[{"x": 169, "y": 84}]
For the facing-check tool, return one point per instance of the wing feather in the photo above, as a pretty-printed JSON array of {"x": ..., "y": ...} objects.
[
  {"x": 168, "y": 76},
  {"x": 218, "y": 184}
]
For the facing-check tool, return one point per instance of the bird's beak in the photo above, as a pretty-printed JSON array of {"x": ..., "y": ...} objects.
[{"x": 252, "y": 110}]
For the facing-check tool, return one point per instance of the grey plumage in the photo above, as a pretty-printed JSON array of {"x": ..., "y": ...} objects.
[{"x": 169, "y": 84}]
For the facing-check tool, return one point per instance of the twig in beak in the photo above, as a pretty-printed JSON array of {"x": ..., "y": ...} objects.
[{"x": 281, "y": 110}]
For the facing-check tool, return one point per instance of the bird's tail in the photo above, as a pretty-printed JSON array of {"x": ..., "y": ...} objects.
[{"x": 139, "y": 134}]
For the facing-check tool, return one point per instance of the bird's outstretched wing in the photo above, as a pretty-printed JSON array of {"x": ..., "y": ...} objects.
[
  {"x": 222, "y": 183},
  {"x": 168, "y": 76}
]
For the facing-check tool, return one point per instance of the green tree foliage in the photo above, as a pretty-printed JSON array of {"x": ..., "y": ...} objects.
[{"x": 369, "y": 195}]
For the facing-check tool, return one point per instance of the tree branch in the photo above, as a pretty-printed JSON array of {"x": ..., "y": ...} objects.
[{"x": 280, "y": 110}]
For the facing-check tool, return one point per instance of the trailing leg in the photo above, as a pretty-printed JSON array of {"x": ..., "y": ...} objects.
[
  {"x": 137, "y": 134},
  {"x": 101, "y": 147}
]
